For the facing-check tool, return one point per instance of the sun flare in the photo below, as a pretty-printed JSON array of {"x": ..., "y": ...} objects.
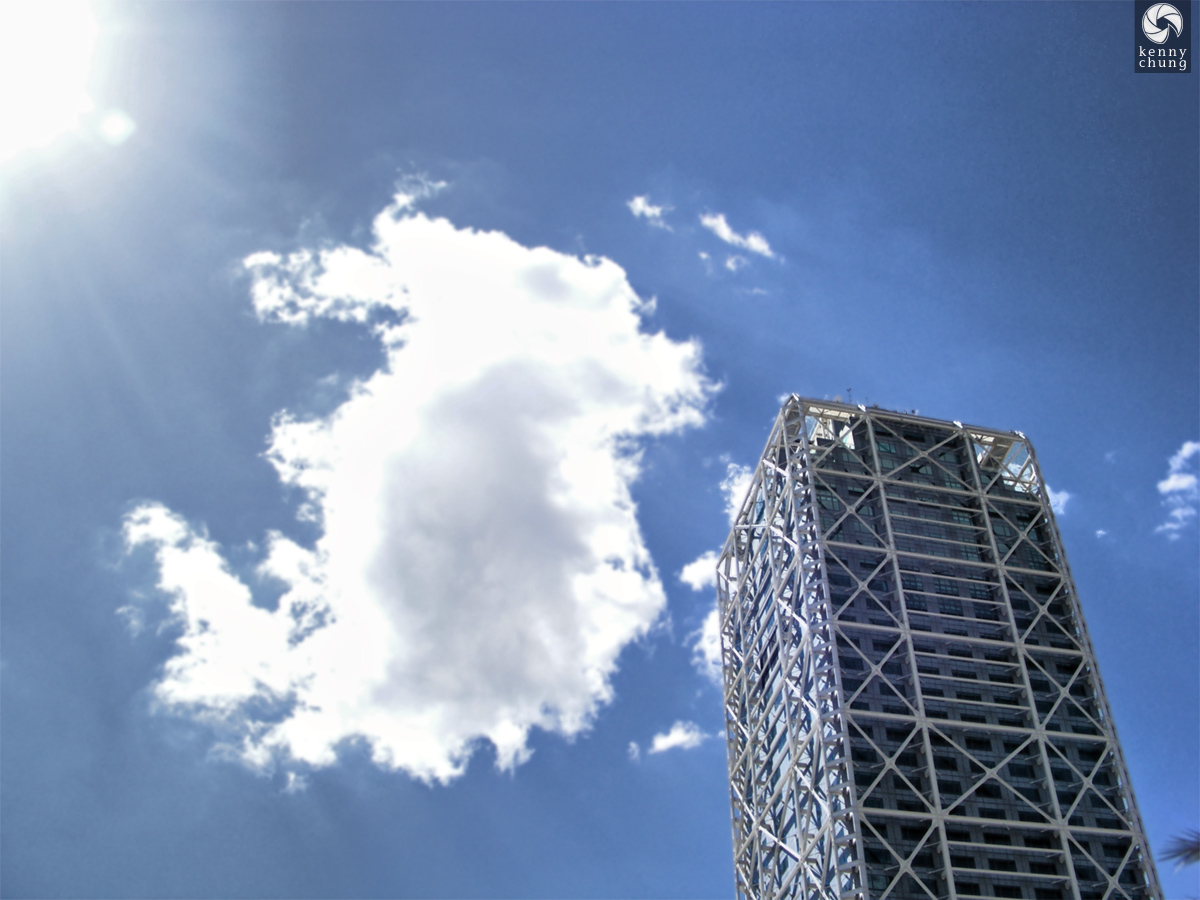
[{"x": 45, "y": 60}]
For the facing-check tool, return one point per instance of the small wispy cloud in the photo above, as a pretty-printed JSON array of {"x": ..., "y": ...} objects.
[
  {"x": 1100, "y": 532},
  {"x": 634, "y": 751},
  {"x": 706, "y": 647},
  {"x": 736, "y": 485},
  {"x": 753, "y": 242},
  {"x": 644, "y": 209},
  {"x": 1058, "y": 500},
  {"x": 682, "y": 736},
  {"x": 135, "y": 618},
  {"x": 701, "y": 572},
  {"x": 733, "y": 263},
  {"x": 1180, "y": 490}
]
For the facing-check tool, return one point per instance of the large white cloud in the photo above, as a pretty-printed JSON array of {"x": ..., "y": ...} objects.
[{"x": 480, "y": 565}]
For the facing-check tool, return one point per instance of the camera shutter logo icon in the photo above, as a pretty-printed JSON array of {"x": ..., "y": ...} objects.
[{"x": 1160, "y": 20}]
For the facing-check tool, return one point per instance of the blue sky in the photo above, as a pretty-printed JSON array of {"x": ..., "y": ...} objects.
[{"x": 371, "y": 372}]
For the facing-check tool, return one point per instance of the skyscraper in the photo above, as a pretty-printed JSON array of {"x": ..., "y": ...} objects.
[{"x": 912, "y": 703}]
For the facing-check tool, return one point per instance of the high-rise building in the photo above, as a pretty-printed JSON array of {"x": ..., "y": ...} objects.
[{"x": 912, "y": 703}]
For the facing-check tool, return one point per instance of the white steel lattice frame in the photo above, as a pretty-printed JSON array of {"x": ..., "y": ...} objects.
[{"x": 864, "y": 725}]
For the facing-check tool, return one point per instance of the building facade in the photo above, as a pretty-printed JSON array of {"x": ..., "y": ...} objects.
[{"x": 913, "y": 707}]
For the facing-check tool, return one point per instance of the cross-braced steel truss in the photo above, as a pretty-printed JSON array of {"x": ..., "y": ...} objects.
[{"x": 913, "y": 708}]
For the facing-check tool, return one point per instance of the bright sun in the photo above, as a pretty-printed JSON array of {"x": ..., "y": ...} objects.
[{"x": 45, "y": 59}]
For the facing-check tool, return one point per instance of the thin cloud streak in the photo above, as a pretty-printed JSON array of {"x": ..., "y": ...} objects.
[
  {"x": 1180, "y": 490},
  {"x": 753, "y": 242}
]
